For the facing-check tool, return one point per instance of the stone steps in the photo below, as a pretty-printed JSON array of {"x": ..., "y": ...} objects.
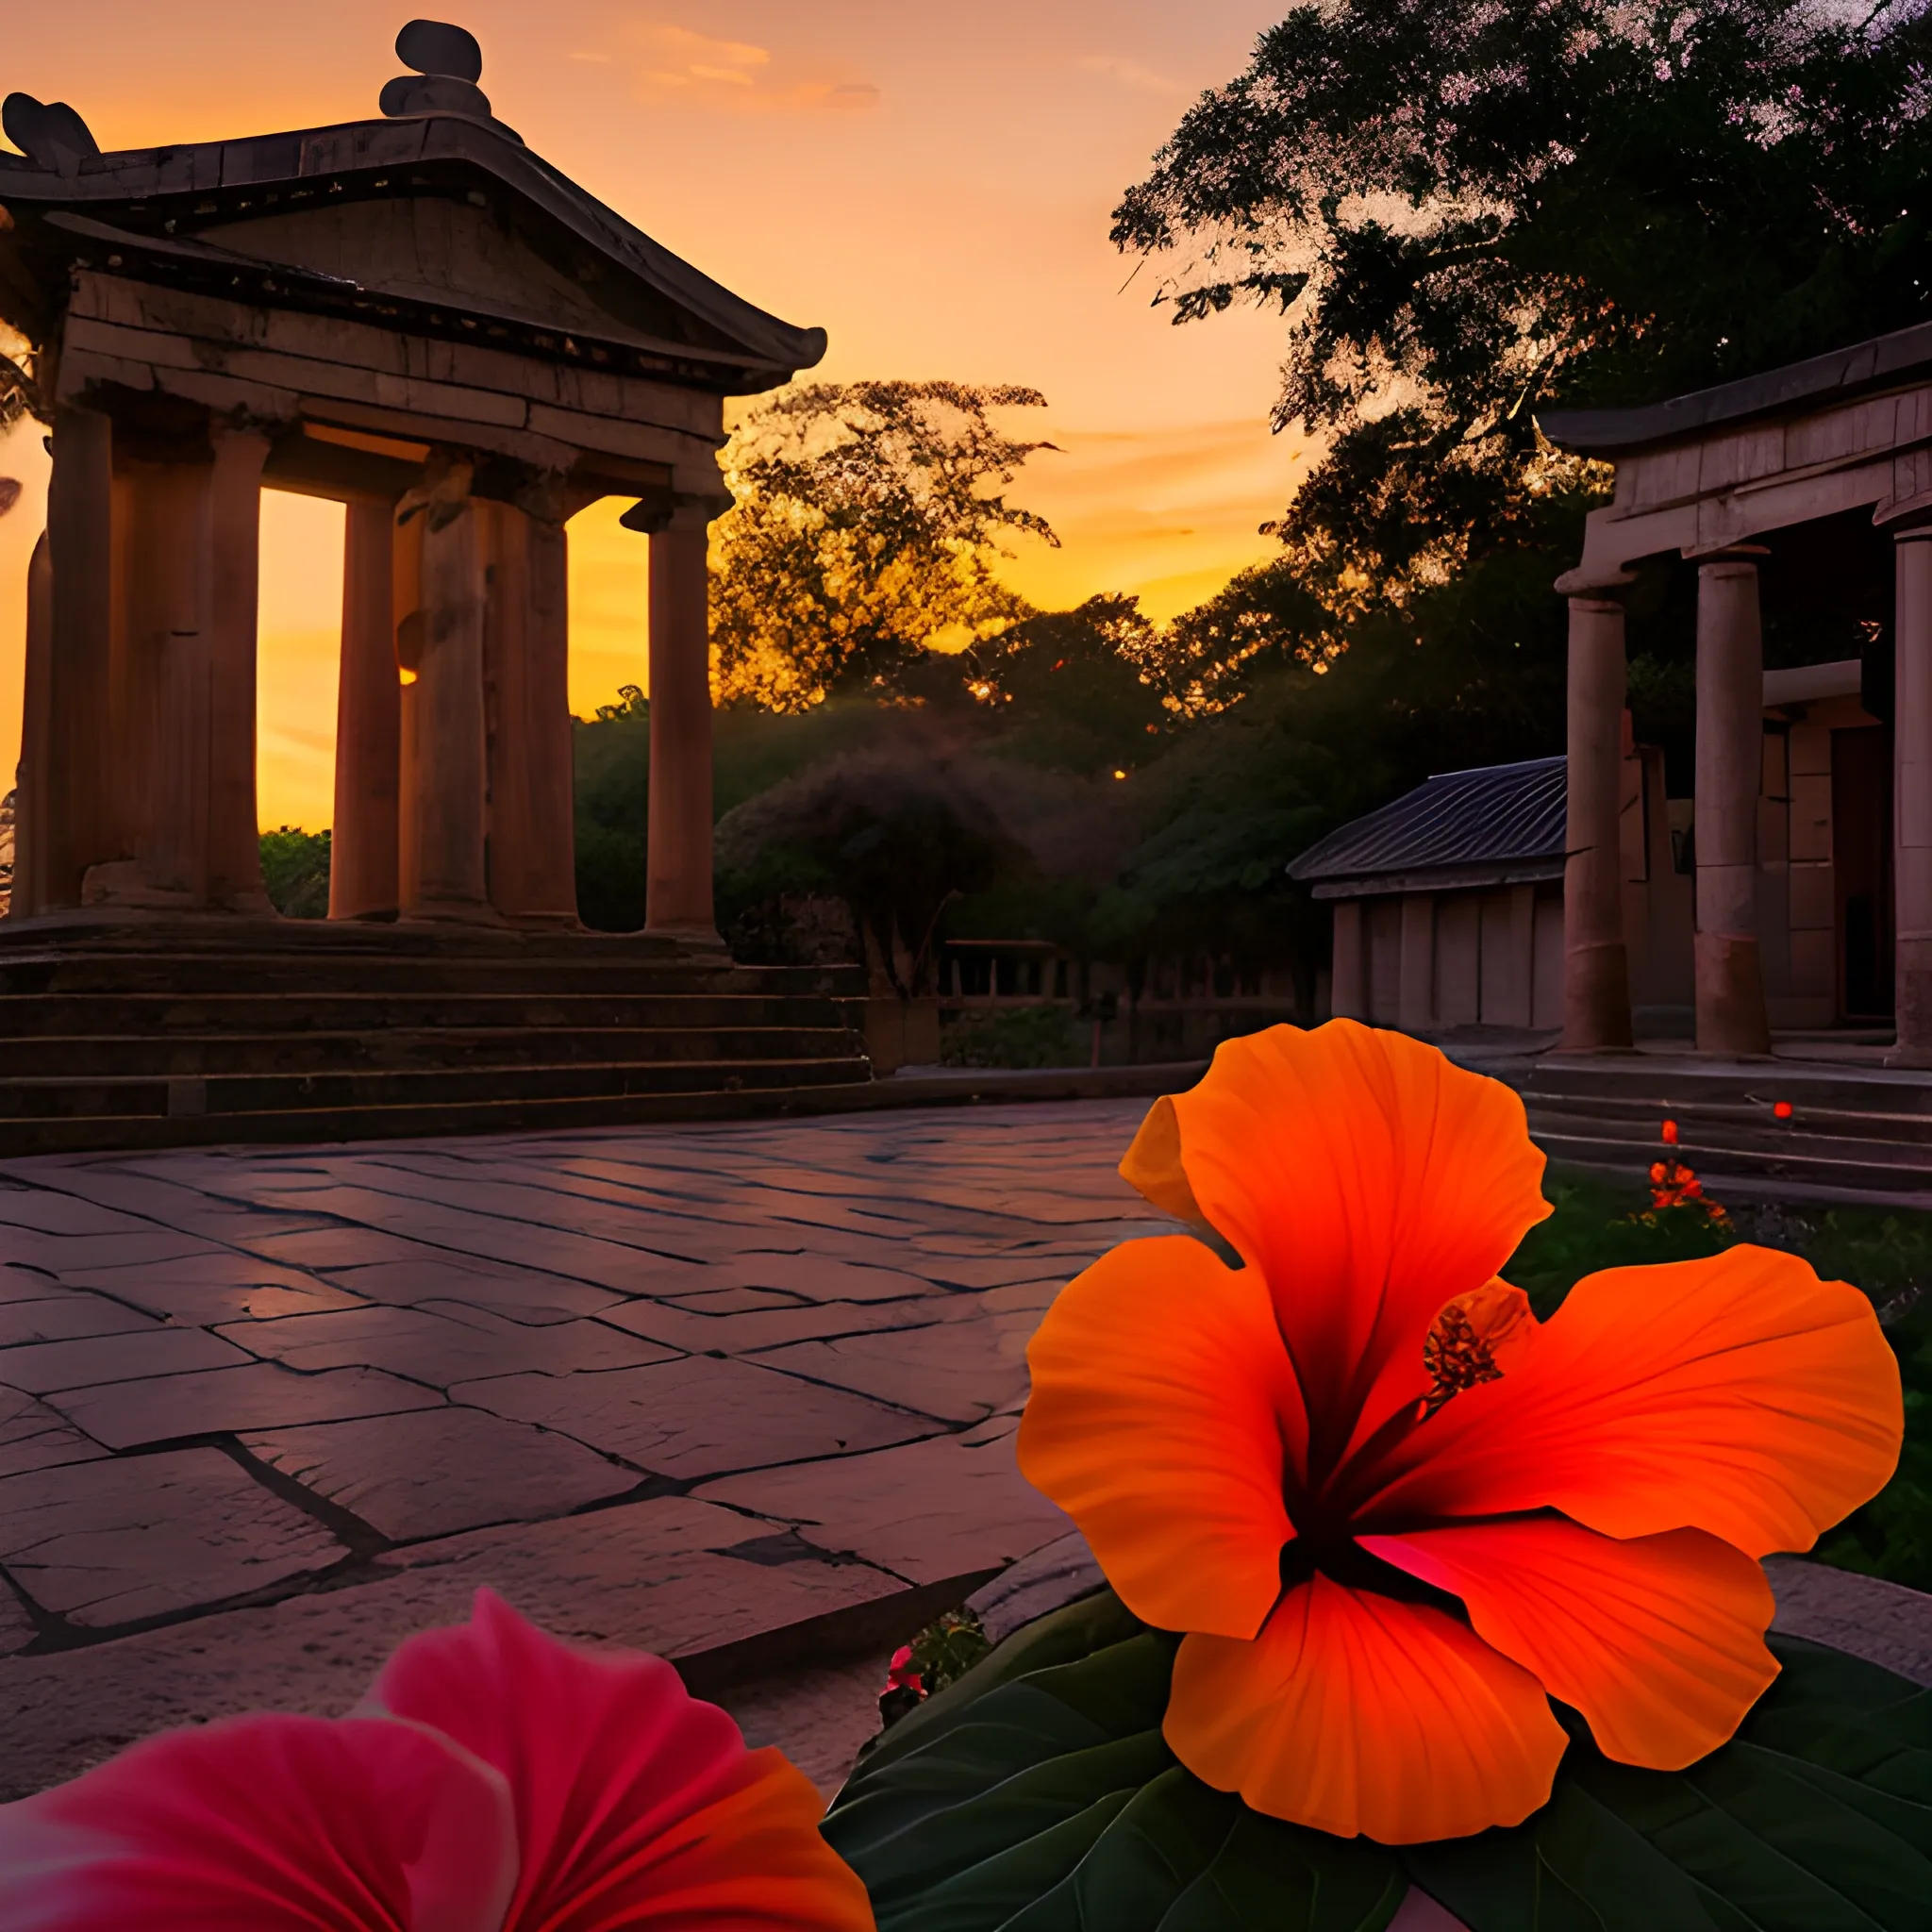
[
  {"x": 154, "y": 1015},
  {"x": 401, "y": 1049},
  {"x": 177, "y": 1033},
  {"x": 1851, "y": 1132}
]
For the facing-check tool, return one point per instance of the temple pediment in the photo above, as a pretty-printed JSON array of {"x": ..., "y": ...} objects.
[{"x": 442, "y": 222}]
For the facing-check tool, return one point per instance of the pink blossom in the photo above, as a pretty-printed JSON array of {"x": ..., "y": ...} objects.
[{"x": 494, "y": 1780}]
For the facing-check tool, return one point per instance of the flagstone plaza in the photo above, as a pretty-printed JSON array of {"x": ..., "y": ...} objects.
[{"x": 743, "y": 1395}]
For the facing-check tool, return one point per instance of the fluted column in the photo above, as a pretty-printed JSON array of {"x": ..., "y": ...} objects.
[
  {"x": 74, "y": 790},
  {"x": 677, "y": 875},
  {"x": 1596, "y": 965},
  {"x": 362, "y": 848},
  {"x": 1911, "y": 812},
  {"x": 526, "y": 644},
  {"x": 449, "y": 771},
  {"x": 1730, "y": 761}
]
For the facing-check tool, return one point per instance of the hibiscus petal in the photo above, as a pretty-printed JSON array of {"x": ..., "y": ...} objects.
[
  {"x": 1369, "y": 1180},
  {"x": 266, "y": 1825},
  {"x": 635, "y": 1802},
  {"x": 1357, "y": 1713},
  {"x": 1161, "y": 1394},
  {"x": 1738, "y": 1394},
  {"x": 1658, "y": 1641}
]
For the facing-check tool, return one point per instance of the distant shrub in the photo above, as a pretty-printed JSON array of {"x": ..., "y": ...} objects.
[
  {"x": 1020, "y": 1037},
  {"x": 294, "y": 868}
]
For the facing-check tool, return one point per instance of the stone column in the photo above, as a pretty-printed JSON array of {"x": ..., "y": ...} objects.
[
  {"x": 362, "y": 848},
  {"x": 161, "y": 681},
  {"x": 1596, "y": 965},
  {"x": 1348, "y": 986},
  {"x": 449, "y": 814},
  {"x": 1730, "y": 763},
  {"x": 228, "y": 864},
  {"x": 1911, "y": 808},
  {"x": 407, "y": 606},
  {"x": 78, "y": 830},
  {"x": 526, "y": 646},
  {"x": 677, "y": 871},
  {"x": 30, "y": 799}
]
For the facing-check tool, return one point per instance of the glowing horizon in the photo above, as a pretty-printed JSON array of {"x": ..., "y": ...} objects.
[{"x": 959, "y": 177}]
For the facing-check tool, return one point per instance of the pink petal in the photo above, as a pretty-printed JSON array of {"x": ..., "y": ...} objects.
[
  {"x": 636, "y": 1805},
  {"x": 266, "y": 1825}
]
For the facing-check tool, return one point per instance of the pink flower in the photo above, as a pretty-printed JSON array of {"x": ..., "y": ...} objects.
[{"x": 493, "y": 1780}]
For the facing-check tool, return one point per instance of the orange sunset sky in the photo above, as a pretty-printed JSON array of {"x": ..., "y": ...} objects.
[{"x": 929, "y": 182}]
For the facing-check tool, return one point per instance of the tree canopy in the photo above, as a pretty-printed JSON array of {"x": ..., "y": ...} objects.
[
  {"x": 1467, "y": 213},
  {"x": 867, "y": 520}
]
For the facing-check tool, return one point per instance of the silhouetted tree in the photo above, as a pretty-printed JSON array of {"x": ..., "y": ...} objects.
[
  {"x": 1469, "y": 212},
  {"x": 868, "y": 517}
]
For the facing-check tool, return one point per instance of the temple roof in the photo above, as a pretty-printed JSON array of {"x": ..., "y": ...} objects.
[
  {"x": 227, "y": 216},
  {"x": 1883, "y": 362},
  {"x": 1498, "y": 825}
]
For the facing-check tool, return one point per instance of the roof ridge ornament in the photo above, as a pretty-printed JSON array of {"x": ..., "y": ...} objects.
[
  {"x": 447, "y": 62},
  {"x": 49, "y": 133}
]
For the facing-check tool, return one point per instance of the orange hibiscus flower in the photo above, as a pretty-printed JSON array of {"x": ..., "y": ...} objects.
[{"x": 1394, "y": 1514}]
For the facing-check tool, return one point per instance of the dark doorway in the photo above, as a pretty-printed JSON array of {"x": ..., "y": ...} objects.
[{"x": 1862, "y": 869}]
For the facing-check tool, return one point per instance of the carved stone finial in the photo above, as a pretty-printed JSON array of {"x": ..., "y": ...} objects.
[
  {"x": 49, "y": 133},
  {"x": 434, "y": 46},
  {"x": 447, "y": 64}
]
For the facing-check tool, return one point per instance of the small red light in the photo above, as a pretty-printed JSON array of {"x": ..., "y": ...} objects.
[
  {"x": 1670, "y": 1132},
  {"x": 1781, "y": 1110}
]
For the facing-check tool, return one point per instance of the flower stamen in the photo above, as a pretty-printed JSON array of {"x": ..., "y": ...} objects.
[{"x": 1473, "y": 1339}]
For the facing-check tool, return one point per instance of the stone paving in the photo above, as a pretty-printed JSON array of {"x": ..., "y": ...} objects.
[{"x": 744, "y": 1395}]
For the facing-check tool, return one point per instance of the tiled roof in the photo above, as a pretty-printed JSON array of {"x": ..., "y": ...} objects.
[
  {"x": 1498, "y": 822},
  {"x": 1820, "y": 381}
]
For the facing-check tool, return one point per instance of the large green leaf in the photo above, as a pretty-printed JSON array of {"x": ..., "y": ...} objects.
[
  {"x": 1817, "y": 1817},
  {"x": 1037, "y": 1794}
]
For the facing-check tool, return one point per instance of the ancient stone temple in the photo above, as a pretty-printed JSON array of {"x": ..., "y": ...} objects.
[
  {"x": 1808, "y": 839},
  {"x": 417, "y": 317}
]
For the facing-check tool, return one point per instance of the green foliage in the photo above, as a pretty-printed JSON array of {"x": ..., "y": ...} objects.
[
  {"x": 1037, "y": 1792},
  {"x": 295, "y": 870},
  {"x": 753, "y": 750},
  {"x": 895, "y": 834},
  {"x": 947, "y": 1648},
  {"x": 1469, "y": 214},
  {"x": 1817, "y": 1814},
  {"x": 867, "y": 519},
  {"x": 631, "y": 703},
  {"x": 1020, "y": 1037},
  {"x": 1596, "y": 1225},
  {"x": 610, "y": 877}
]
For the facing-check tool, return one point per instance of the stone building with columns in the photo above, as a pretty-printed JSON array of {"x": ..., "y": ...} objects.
[
  {"x": 417, "y": 317},
  {"x": 414, "y": 316},
  {"x": 1812, "y": 817}
]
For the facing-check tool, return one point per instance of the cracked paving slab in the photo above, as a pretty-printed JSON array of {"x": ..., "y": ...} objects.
[
  {"x": 353, "y": 1384},
  {"x": 113, "y": 1541}
]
